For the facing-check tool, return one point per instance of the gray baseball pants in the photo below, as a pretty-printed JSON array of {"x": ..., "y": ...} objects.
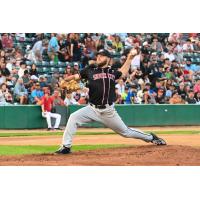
[{"x": 108, "y": 116}]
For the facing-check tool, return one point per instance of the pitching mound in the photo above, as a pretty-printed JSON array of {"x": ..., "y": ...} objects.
[{"x": 141, "y": 155}]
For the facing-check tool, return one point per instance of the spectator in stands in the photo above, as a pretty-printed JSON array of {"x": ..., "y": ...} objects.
[
  {"x": 156, "y": 46},
  {"x": 2, "y": 78},
  {"x": 26, "y": 80},
  {"x": 4, "y": 71},
  {"x": 69, "y": 99},
  {"x": 75, "y": 50},
  {"x": 68, "y": 71},
  {"x": 36, "y": 94},
  {"x": 197, "y": 97},
  {"x": 197, "y": 47},
  {"x": 43, "y": 82},
  {"x": 57, "y": 101},
  {"x": 53, "y": 47},
  {"x": 190, "y": 99},
  {"x": 117, "y": 44},
  {"x": 170, "y": 54},
  {"x": 6, "y": 93},
  {"x": 160, "y": 97},
  {"x": 188, "y": 46},
  {"x": 38, "y": 49},
  {"x": 20, "y": 92},
  {"x": 120, "y": 86},
  {"x": 119, "y": 99},
  {"x": 197, "y": 86},
  {"x": 7, "y": 41},
  {"x": 22, "y": 69},
  {"x": 181, "y": 90},
  {"x": 47, "y": 106},
  {"x": 33, "y": 71},
  {"x": 176, "y": 99}
]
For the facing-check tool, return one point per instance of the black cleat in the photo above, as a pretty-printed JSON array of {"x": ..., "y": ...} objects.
[
  {"x": 156, "y": 140},
  {"x": 63, "y": 150}
]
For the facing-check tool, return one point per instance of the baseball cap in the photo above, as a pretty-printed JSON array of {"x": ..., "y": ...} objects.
[
  {"x": 145, "y": 43},
  {"x": 76, "y": 64},
  {"x": 104, "y": 52}
]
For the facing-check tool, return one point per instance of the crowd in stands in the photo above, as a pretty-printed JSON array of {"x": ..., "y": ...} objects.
[{"x": 166, "y": 71}]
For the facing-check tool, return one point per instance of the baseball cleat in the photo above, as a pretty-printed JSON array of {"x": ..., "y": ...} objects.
[
  {"x": 63, "y": 150},
  {"x": 156, "y": 140}
]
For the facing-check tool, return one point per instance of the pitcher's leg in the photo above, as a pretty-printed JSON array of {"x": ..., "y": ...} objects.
[
  {"x": 115, "y": 123},
  {"x": 84, "y": 115}
]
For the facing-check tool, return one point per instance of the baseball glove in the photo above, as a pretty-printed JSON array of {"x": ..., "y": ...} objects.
[{"x": 70, "y": 85}]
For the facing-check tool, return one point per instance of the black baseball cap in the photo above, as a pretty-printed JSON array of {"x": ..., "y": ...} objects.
[{"x": 104, "y": 52}]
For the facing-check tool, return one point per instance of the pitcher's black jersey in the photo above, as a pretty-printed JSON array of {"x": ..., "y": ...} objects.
[{"x": 101, "y": 83}]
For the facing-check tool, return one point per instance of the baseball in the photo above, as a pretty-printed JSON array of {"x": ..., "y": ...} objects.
[{"x": 166, "y": 110}]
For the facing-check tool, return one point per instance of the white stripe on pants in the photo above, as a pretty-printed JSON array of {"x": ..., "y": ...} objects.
[
  {"x": 50, "y": 115},
  {"x": 109, "y": 117}
]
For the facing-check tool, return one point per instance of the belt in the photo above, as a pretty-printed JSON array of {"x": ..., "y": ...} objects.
[{"x": 100, "y": 106}]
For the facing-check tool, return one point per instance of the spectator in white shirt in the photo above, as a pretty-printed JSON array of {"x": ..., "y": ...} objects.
[
  {"x": 188, "y": 46},
  {"x": 169, "y": 54},
  {"x": 21, "y": 69},
  {"x": 38, "y": 48},
  {"x": 120, "y": 86},
  {"x": 69, "y": 100}
]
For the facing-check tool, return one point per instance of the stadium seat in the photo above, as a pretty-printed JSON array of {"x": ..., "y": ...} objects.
[
  {"x": 61, "y": 70},
  {"x": 61, "y": 64},
  {"x": 29, "y": 63},
  {"x": 45, "y": 70},
  {"x": 45, "y": 63},
  {"x": 38, "y": 64},
  {"x": 53, "y": 70},
  {"x": 39, "y": 70}
]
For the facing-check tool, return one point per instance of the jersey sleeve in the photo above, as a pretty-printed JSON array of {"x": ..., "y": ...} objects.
[
  {"x": 84, "y": 73},
  {"x": 118, "y": 74}
]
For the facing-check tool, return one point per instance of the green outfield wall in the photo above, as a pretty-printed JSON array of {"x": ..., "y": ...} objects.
[{"x": 29, "y": 117}]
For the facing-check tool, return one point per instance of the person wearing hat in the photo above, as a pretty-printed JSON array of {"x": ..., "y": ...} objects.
[
  {"x": 47, "y": 107},
  {"x": 101, "y": 82},
  {"x": 36, "y": 94}
]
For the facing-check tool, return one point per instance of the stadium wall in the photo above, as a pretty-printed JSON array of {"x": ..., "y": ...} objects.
[{"x": 29, "y": 117}]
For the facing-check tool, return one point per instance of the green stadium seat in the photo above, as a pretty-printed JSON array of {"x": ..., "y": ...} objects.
[
  {"x": 29, "y": 63},
  {"x": 39, "y": 70},
  {"x": 53, "y": 70},
  {"x": 38, "y": 64},
  {"x": 61, "y": 64},
  {"x": 45, "y": 70},
  {"x": 45, "y": 63},
  {"x": 61, "y": 70}
]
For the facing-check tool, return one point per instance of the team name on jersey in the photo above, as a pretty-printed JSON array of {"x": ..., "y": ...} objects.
[{"x": 103, "y": 75}]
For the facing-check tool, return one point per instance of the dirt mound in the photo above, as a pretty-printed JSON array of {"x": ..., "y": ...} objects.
[{"x": 141, "y": 156}]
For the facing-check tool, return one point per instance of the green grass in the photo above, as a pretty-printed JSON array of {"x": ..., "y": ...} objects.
[
  {"x": 22, "y": 150},
  {"x": 86, "y": 133}
]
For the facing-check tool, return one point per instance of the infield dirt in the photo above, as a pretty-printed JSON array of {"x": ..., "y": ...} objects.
[{"x": 181, "y": 150}]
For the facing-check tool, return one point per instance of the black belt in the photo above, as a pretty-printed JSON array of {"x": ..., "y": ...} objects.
[{"x": 100, "y": 106}]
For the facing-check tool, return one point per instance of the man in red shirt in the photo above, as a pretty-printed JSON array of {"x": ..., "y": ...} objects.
[{"x": 47, "y": 105}]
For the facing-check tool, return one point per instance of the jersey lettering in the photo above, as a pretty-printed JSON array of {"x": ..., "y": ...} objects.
[{"x": 103, "y": 75}]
